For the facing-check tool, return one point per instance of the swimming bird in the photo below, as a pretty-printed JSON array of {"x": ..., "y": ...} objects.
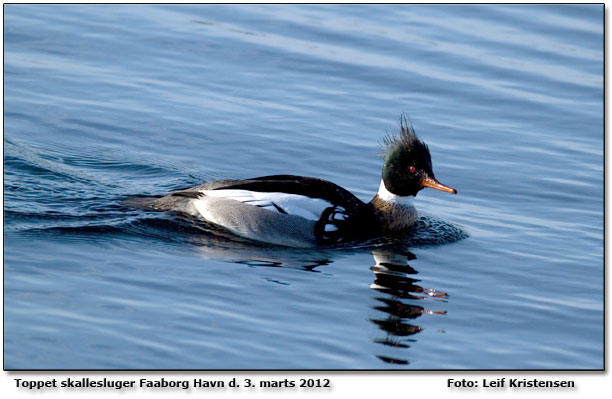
[{"x": 306, "y": 211}]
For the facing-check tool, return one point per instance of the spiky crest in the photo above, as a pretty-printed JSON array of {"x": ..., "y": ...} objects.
[{"x": 405, "y": 138}]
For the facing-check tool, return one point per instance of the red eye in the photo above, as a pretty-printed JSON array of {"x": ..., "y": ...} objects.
[{"x": 412, "y": 169}]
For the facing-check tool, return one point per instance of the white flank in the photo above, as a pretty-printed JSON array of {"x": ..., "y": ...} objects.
[
  {"x": 330, "y": 227},
  {"x": 388, "y": 196},
  {"x": 293, "y": 204}
]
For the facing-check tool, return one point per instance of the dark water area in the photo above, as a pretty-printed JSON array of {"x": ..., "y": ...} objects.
[{"x": 108, "y": 102}]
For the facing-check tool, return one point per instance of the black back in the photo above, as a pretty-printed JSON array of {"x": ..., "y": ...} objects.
[{"x": 300, "y": 185}]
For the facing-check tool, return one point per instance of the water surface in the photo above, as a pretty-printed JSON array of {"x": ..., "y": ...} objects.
[{"x": 105, "y": 102}]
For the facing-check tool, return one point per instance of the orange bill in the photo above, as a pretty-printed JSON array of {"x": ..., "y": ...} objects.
[{"x": 433, "y": 183}]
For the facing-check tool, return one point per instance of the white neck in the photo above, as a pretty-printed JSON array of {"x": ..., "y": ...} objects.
[{"x": 388, "y": 196}]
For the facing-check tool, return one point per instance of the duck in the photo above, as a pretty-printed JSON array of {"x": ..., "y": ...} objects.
[{"x": 299, "y": 211}]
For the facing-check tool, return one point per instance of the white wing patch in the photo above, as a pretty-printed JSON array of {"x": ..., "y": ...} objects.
[{"x": 291, "y": 204}]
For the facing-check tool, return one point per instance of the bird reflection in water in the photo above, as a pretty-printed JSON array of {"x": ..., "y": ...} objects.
[
  {"x": 398, "y": 294},
  {"x": 392, "y": 279}
]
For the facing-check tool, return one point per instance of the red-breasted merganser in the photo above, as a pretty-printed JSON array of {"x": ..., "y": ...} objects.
[{"x": 305, "y": 211}]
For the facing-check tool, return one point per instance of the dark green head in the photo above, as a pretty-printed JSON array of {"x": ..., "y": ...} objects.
[{"x": 407, "y": 169}]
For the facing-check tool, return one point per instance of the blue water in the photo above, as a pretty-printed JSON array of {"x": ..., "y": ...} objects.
[{"x": 107, "y": 102}]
